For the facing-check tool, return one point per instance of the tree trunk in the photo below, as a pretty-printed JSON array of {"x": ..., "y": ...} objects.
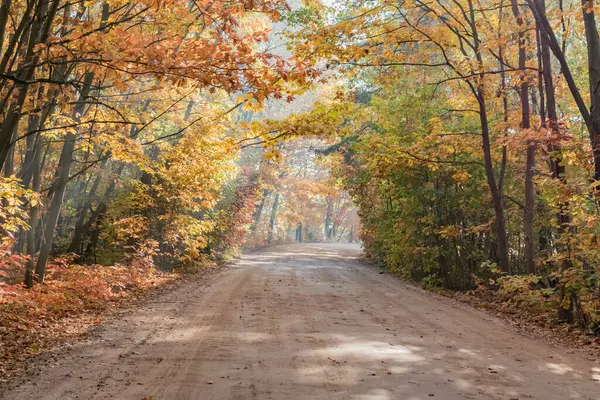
[
  {"x": 90, "y": 251},
  {"x": 40, "y": 30},
  {"x": 548, "y": 44},
  {"x": 273, "y": 217},
  {"x": 528, "y": 225},
  {"x": 9, "y": 163},
  {"x": 502, "y": 255},
  {"x": 259, "y": 209},
  {"x": 299, "y": 232},
  {"x": 593, "y": 48},
  {"x": 4, "y": 13},
  {"x": 328, "y": 216},
  {"x": 539, "y": 12},
  {"x": 559, "y": 171},
  {"x": 36, "y": 170},
  {"x": 75, "y": 246},
  {"x": 60, "y": 183}
]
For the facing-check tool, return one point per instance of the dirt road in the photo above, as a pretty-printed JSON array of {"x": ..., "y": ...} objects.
[{"x": 308, "y": 322}]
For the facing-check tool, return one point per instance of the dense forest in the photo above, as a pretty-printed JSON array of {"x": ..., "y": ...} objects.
[
  {"x": 127, "y": 154},
  {"x": 470, "y": 141},
  {"x": 141, "y": 140}
]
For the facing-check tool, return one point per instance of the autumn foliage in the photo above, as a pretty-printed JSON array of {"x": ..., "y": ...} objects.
[
  {"x": 119, "y": 146},
  {"x": 139, "y": 139},
  {"x": 467, "y": 134},
  {"x": 73, "y": 296}
]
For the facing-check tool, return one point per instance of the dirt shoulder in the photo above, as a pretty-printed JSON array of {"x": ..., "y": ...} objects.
[{"x": 26, "y": 350}]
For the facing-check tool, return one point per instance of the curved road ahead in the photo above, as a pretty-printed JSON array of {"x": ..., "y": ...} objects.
[{"x": 308, "y": 322}]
